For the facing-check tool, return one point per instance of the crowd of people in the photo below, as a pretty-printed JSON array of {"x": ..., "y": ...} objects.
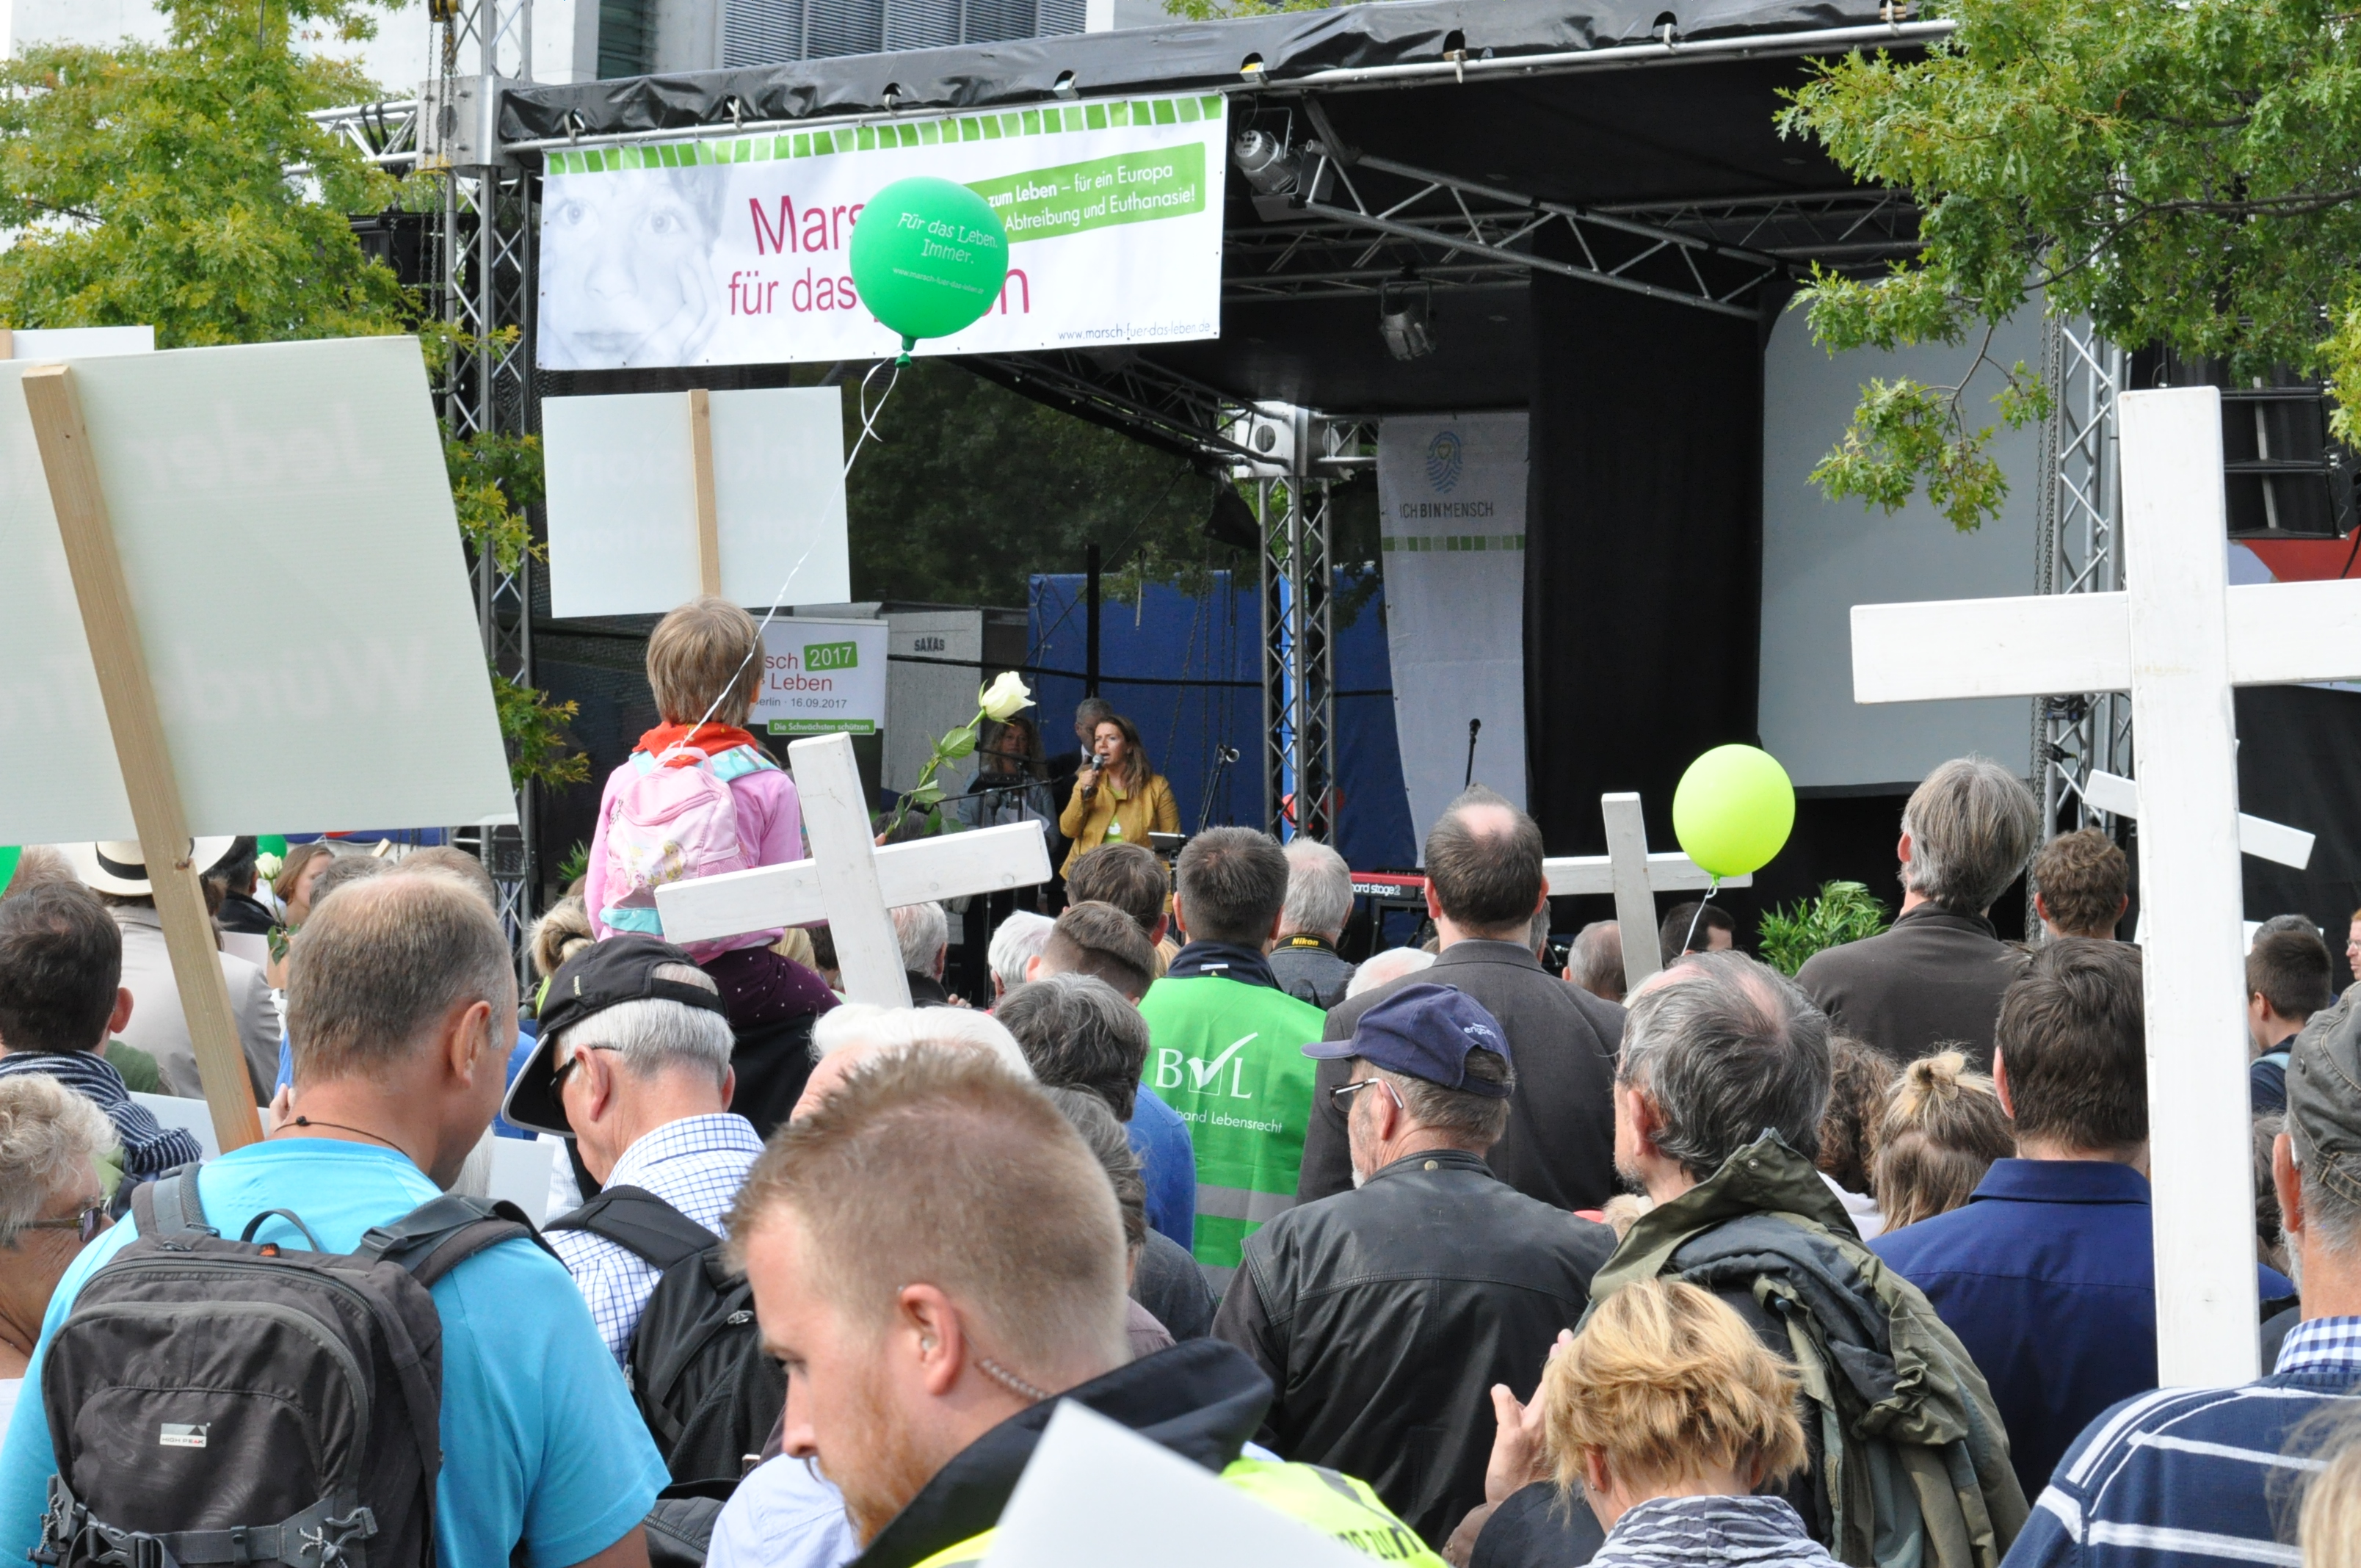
[{"x": 1453, "y": 1255}]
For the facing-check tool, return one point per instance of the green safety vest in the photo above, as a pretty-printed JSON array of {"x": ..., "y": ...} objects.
[
  {"x": 1229, "y": 1057},
  {"x": 1336, "y": 1505}
]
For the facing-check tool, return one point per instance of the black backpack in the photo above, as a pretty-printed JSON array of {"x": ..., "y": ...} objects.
[
  {"x": 704, "y": 1385},
  {"x": 215, "y": 1401}
]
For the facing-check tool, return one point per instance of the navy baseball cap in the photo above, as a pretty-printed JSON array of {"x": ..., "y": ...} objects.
[
  {"x": 1425, "y": 1031},
  {"x": 620, "y": 968}
]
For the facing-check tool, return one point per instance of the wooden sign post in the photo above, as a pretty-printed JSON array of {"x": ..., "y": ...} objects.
[
  {"x": 655, "y": 498},
  {"x": 137, "y": 722},
  {"x": 2177, "y": 639},
  {"x": 138, "y": 490},
  {"x": 708, "y": 511},
  {"x": 1634, "y": 876},
  {"x": 849, "y": 882}
]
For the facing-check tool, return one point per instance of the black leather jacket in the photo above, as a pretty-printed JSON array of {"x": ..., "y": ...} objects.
[{"x": 1384, "y": 1316}]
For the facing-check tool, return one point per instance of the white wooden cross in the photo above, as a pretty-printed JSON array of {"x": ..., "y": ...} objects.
[
  {"x": 2178, "y": 639},
  {"x": 849, "y": 882},
  {"x": 2263, "y": 839},
  {"x": 2266, "y": 841},
  {"x": 1634, "y": 876}
]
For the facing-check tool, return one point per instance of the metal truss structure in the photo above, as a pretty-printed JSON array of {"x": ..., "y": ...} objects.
[
  {"x": 482, "y": 290},
  {"x": 383, "y": 134},
  {"x": 2080, "y": 516},
  {"x": 1300, "y": 456},
  {"x": 1121, "y": 391},
  {"x": 1340, "y": 223}
]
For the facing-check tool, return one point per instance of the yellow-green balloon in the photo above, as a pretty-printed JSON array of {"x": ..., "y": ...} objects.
[
  {"x": 928, "y": 257},
  {"x": 1733, "y": 810}
]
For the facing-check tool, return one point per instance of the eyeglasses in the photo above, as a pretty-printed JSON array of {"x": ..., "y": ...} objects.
[
  {"x": 1342, "y": 1093},
  {"x": 85, "y": 1224},
  {"x": 557, "y": 1078}
]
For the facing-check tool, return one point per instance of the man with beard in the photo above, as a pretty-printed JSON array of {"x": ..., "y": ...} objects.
[{"x": 937, "y": 1259}]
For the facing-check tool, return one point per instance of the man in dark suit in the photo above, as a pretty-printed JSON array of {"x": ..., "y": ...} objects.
[
  {"x": 1484, "y": 885},
  {"x": 1937, "y": 977}
]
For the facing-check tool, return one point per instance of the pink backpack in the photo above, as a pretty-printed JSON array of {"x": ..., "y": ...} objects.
[{"x": 673, "y": 824}]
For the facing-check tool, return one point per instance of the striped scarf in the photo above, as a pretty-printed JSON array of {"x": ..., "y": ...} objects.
[
  {"x": 149, "y": 1148},
  {"x": 1711, "y": 1532}
]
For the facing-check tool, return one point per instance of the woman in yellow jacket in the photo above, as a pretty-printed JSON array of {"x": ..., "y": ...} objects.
[{"x": 1118, "y": 798}]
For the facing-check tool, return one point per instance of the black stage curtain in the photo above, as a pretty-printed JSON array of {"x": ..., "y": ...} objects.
[
  {"x": 1643, "y": 551},
  {"x": 2300, "y": 762}
]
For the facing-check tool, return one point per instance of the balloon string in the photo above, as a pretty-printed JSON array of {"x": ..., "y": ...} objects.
[
  {"x": 1712, "y": 887},
  {"x": 868, "y": 428}
]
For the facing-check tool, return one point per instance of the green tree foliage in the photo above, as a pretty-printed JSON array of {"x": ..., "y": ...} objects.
[
  {"x": 967, "y": 488},
  {"x": 149, "y": 184},
  {"x": 2185, "y": 174},
  {"x": 1843, "y": 912}
]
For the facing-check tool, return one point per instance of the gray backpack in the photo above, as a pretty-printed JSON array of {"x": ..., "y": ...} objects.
[{"x": 216, "y": 1401}]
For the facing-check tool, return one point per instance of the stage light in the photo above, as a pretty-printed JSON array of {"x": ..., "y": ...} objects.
[
  {"x": 1267, "y": 164},
  {"x": 1406, "y": 317},
  {"x": 1232, "y": 521}
]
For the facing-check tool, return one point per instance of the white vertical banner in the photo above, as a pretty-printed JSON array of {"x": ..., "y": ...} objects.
[{"x": 1450, "y": 492}]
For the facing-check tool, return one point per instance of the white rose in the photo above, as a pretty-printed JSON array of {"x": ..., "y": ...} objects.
[{"x": 1004, "y": 697}]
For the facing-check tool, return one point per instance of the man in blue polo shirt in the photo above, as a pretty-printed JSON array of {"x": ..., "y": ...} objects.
[
  {"x": 402, "y": 1003},
  {"x": 2048, "y": 1274},
  {"x": 2198, "y": 1477}
]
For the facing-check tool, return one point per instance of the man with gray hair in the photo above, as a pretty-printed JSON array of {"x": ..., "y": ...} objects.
[
  {"x": 1384, "y": 1316},
  {"x": 1594, "y": 961},
  {"x": 925, "y": 932},
  {"x": 633, "y": 1064},
  {"x": 1937, "y": 977},
  {"x": 1718, "y": 1095},
  {"x": 1319, "y": 901},
  {"x": 1014, "y": 944}
]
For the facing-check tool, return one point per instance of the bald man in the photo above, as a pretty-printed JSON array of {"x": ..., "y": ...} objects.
[{"x": 1484, "y": 886}]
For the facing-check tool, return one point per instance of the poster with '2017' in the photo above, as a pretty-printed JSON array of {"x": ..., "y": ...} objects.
[{"x": 733, "y": 249}]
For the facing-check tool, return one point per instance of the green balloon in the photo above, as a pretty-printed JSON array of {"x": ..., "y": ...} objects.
[
  {"x": 1733, "y": 810},
  {"x": 928, "y": 257}
]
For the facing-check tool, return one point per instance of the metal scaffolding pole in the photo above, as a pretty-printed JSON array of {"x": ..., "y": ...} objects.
[
  {"x": 1299, "y": 685},
  {"x": 2079, "y": 541},
  {"x": 484, "y": 280}
]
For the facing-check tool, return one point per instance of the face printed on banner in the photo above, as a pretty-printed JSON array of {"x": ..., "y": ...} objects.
[{"x": 629, "y": 279}]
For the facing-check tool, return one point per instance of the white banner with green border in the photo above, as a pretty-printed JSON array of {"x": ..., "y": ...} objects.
[
  {"x": 1451, "y": 493},
  {"x": 731, "y": 250}
]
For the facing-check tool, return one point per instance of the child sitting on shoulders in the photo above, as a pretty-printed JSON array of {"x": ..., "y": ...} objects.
[{"x": 699, "y": 797}]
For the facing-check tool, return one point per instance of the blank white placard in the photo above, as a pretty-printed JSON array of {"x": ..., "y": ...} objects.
[
  {"x": 295, "y": 487},
  {"x": 1095, "y": 1493},
  {"x": 54, "y": 343},
  {"x": 623, "y": 499},
  {"x": 189, "y": 1116}
]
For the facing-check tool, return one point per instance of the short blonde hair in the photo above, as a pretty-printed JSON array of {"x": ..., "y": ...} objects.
[
  {"x": 698, "y": 659},
  {"x": 1665, "y": 1382},
  {"x": 934, "y": 1164},
  {"x": 2330, "y": 1526}
]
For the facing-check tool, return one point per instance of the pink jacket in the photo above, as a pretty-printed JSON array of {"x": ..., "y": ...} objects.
[{"x": 770, "y": 823}]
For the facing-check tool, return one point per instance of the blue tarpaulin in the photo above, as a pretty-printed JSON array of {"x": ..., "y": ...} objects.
[{"x": 1186, "y": 669}]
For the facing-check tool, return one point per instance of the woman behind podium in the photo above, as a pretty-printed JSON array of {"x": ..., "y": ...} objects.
[{"x": 1118, "y": 798}]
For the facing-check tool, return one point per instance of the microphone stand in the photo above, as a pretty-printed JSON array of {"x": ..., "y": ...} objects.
[
  {"x": 1222, "y": 757},
  {"x": 1473, "y": 726}
]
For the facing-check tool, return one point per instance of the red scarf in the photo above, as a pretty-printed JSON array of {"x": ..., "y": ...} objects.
[{"x": 710, "y": 738}]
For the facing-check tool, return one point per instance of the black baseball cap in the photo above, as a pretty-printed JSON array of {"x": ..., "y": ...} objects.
[
  {"x": 1425, "y": 1031},
  {"x": 620, "y": 968},
  {"x": 2323, "y": 1095}
]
